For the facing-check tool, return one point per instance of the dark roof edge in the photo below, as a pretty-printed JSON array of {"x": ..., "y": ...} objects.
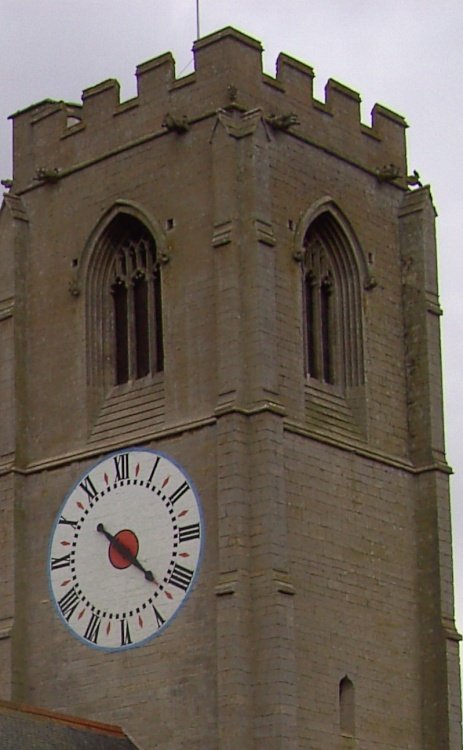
[{"x": 74, "y": 721}]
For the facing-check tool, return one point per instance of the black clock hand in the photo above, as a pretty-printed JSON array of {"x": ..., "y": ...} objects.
[{"x": 126, "y": 553}]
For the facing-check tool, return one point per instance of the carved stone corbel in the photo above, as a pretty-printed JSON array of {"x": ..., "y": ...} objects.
[
  {"x": 283, "y": 122},
  {"x": 176, "y": 124},
  {"x": 388, "y": 173},
  {"x": 43, "y": 174}
]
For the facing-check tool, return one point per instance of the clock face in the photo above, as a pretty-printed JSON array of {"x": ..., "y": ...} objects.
[{"x": 125, "y": 549}]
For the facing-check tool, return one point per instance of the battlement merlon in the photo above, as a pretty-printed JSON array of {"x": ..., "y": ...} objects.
[{"x": 55, "y": 138}]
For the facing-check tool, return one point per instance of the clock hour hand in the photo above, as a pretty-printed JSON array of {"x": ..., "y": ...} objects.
[{"x": 125, "y": 552}]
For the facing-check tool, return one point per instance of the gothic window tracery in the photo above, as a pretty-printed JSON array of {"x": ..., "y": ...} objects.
[{"x": 136, "y": 293}]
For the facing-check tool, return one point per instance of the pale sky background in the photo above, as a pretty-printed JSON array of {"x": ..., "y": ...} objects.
[{"x": 405, "y": 54}]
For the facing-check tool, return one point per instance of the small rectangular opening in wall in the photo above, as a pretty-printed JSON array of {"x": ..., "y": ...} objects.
[
  {"x": 346, "y": 707},
  {"x": 170, "y": 223}
]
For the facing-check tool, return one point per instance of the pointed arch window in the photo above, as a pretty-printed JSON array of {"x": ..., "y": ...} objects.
[
  {"x": 134, "y": 284},
  {"x": 122, "y": 269},
  {"x": 124, "y": 306},
  {"x": 332, "y": 305}
]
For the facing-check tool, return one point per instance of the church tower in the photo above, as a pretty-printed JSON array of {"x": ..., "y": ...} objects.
[{"x": 224, "y": 493}]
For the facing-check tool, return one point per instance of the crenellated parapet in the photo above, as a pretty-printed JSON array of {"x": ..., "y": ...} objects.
[{"x": 52, "y": 139}]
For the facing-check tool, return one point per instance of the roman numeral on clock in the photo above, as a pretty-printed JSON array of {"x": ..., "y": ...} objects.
[
  {"x": 122, "y": 466},
  {"x": 179, "y": 492},
  {"x": 67, "y": 522},
  {"x": 61, "y": 562},
  {"x": 88, "y": 487},
  {"x": 159, "y": 618},
  {"x": 186, "y": 533},
  {"x": 125, "y": 633},
  {"x": 155, "y": 466},
  {"x": 68, "y": 603},
  {"x": 93, "y": 629},
  {"x": 181, "y": 577}
]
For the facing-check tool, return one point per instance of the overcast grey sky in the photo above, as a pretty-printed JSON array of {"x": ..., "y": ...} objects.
[{"x": 406, "y": 54}]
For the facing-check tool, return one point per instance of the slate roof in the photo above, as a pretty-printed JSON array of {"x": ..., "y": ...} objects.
[{"x": 27, "y": 728}]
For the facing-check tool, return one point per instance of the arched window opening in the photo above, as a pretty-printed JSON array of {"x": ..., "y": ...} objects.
[
  {"x": 134, "y": 284},
  {"x": 346, "y": 707},
  {"x": 332, "y": 305}
]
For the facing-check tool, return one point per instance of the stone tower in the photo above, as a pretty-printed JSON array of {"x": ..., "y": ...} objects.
[{"x": 234, "y": 273}]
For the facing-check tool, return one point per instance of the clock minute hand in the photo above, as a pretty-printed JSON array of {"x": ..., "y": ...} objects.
[{"x": 126, "y": 553}]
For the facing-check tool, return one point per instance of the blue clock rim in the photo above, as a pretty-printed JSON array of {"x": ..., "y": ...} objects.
[{"x": 191, "y": 587}]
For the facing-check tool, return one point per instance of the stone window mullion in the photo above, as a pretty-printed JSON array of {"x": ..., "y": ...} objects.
[
  {"x": 327, "y": 332},
  {"x": 155, "y": 313},
  {"x": 151, "y": 311},
  {"x": 131, "y": 331},
  {"x": 312, "y": 324},
  {"x": 121, "y": 334},
  {"x": 141, "y": 325}
]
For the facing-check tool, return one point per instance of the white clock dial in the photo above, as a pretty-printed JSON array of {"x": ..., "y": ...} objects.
[{"x": 125, "y": 549}]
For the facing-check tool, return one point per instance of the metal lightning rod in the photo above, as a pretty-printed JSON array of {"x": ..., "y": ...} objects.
[{"x": 197, "y": 20}]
